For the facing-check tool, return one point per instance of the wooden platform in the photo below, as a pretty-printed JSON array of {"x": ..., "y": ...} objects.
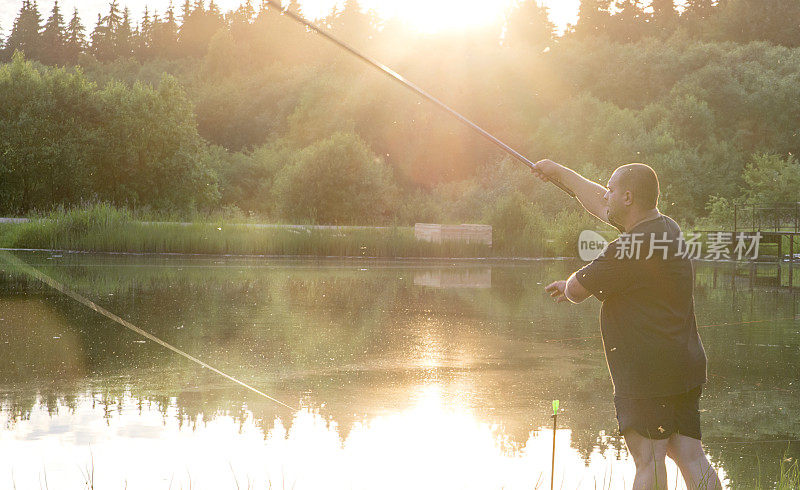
[
  {"x": 767, "y": 237},
  {"x": 437, "y": 233}
]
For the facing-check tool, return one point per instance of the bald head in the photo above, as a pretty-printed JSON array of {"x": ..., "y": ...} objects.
[{"x": 641, "y": 181}]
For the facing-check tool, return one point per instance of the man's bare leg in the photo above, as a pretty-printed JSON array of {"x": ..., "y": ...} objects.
[
  {"x": 648, "y": 455},
  {"x": 688, "y": 454}
]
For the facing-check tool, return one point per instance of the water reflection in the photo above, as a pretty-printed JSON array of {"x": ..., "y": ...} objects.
[
  {"x": 454, "y": 278},
  {"x": 432, "y": 445},
  {"x": 401, "y": 378}
]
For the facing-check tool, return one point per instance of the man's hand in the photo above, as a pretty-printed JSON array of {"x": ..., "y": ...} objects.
[
  {"x": 588, "y": 193},
  {"x": 546, "y": 169},
  {"x": 557, "y": 291}
]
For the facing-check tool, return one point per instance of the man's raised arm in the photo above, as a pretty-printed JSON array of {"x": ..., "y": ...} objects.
[{"x": 589, "y": 194}]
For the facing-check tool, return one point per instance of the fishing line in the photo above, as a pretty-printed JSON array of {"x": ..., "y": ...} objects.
[
  {"x": 15, "y": 262},
  {"x": 413, "y": 87}
]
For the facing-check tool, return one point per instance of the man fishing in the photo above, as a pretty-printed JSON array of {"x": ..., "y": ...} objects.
[{"x": 654, "y": 353}]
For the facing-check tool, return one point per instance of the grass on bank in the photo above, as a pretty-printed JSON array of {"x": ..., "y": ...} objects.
[
  {"x": 104, "y": 228},
  {"x": 788, "y": 479}
]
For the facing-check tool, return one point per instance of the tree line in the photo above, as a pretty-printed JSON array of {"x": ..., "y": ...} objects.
[
  {"x": 187, "y": 33},
  {"x": 248, "y": 112}
]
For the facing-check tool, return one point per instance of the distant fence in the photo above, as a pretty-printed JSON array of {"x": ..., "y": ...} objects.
[
  {"x": 769, "y": 217},
  {"x": 437, "y": 233}
]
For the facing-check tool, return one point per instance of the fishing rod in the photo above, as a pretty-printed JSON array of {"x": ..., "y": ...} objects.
[{"x": 396, "y": 76}]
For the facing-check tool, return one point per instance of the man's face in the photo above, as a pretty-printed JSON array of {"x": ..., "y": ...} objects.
[{"x": 616, "y": 199}]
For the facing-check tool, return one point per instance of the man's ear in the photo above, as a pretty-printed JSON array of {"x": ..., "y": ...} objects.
[{"x": 628, "y": 199}]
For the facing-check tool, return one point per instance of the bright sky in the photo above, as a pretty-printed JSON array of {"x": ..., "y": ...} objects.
[{"x": 425, "y": 15}]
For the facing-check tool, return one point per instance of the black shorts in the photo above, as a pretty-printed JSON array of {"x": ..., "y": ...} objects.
[{"x": 659, "y": 418}]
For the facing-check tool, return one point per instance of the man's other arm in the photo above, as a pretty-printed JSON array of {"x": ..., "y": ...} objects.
[
  {"x": 570, "y": 290},
  {"x": 589, "y": 194}
]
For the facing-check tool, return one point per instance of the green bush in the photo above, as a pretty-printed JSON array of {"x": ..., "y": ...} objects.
[
  {"x": 335, "y": 181},
  {"x": 772, "y": 179}
]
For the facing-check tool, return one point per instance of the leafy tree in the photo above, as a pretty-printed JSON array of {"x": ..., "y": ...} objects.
[
  {"x": 771, "y": 178},
  {"x": 247, "y": 179},
  {"x": 151, "y": 143},
  {"x": 63, "y": 140},
  {"x": 335, "y": 181},
  {"x": 44, "y": 150}
]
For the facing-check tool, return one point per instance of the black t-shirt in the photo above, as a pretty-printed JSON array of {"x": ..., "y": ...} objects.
[{"x": 647, "y": 317}]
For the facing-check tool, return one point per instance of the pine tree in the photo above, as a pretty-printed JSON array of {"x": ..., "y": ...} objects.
[
  {"x": 214, "y": 10},
  {"x": 53, "y": 38},
  {"x": 248, "y": 11},
  {"x": 699, "y": 9},
  {"x": 294, "y": 6},
  {"x": 263, "y": 8},
  {"x": 529, "y": 25},
  {"x": 100, "y": 41},
  {"x": 186, "y": 11},
  {"x": 123, "y": 45},
  {"x": 352, "y": 23},
  {"x": 143, "y": 42},
  {"x": 628, "y": 23},
  {"x": 165, "y": 35},
  {"x": 196, "y": 32},
  {"x": 25, "y": 35},
  {"x": 75, "y": 42},
  {"x": 697, "y": 13},
  {"x": 664, "y": 17},
  {"x": 113, "y": 23},
  {"x": 113, "y": 20},
  {"x": 593, "y": 18},
  {"x": 744, "y": 21},
  {"x": 106, "y": 42}
]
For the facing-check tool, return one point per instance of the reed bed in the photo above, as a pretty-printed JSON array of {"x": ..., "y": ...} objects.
[{"x": 104, "y": 228}]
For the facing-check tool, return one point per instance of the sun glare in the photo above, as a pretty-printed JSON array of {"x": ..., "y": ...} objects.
[
  {"x": 431, "y": 16},
  {"x": 441, "y": 15}
]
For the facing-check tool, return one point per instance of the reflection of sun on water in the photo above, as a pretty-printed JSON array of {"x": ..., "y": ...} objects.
[{"x": 437, "y": 443}]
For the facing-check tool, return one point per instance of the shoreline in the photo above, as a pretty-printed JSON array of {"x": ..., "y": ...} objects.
[
  {"x": 291, "y": 256},
  {"x": 104, "y": 229}
]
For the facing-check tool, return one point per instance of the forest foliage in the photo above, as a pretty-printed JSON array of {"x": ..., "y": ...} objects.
[{"x": 199, "y": 110}]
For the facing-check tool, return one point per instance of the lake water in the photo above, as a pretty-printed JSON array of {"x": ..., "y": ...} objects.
[{"x": 406, "y": 374}]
